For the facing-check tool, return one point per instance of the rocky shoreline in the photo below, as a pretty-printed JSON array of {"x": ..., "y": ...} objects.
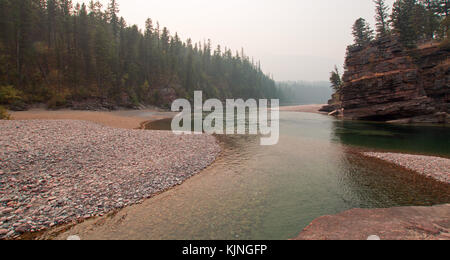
[
  {"x": 430, "y": 166},
  {"x": 58, "y": 171},
  {"x": 62, "y": 191},
  {"x": 401, "y": 223}
]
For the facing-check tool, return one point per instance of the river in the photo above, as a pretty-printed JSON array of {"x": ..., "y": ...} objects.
[{"x": 260, "y": 192}]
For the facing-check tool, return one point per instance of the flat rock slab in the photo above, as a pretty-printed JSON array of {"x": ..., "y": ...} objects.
[
  {"x": 56, "y": 172},
  {"x": 433, "y": 167},
  {"x": 403, "y": 223}
]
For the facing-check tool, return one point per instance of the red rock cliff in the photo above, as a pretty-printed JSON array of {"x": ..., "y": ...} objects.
[{"x": 385, "y": 82}]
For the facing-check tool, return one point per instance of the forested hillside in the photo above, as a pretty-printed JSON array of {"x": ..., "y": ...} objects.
[{"x": 57, "y": 52}]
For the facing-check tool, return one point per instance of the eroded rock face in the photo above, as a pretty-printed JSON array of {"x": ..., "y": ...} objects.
[
  {"x": 385, "y": 82},
  {"x": 333, "y": 104}
]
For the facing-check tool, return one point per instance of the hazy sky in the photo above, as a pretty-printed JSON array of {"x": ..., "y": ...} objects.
[{"x": 293, "y": 39}]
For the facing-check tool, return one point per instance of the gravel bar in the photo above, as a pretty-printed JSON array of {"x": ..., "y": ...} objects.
[
  {"x": 434, "y": 167},
  {"x": 56, "y": 172}
]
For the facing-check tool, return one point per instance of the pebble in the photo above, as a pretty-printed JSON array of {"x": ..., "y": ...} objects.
[
  {"x": 73, "y": 238},
  {"x": 434, "y": 167},
  {"x": 22, "y": 228},
  {"x": 373, "y": 238},
  {"x": 6, "y": 211},
  {"x": 56, "y": 171}
]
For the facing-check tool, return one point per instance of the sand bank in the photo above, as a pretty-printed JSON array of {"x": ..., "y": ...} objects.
[
  {"x": 303, "y": 108},
  {"x": 127, "y": 119}
]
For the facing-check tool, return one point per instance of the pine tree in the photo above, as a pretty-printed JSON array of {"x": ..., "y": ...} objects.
[
  {"x": 113, "y": 10},
  {"x": 429, "y": 13},
  {"x": 22, "y": 15},
  {"x": 336, "y": 79},
  {"x": 382, "y": 18},
  {"x": 95, "y": 9},
  {"x": 54, "y": 52},
  {"x": 362, "y": 33},
  {"x": 148, "y": 27},
  {"x": 404, "y": 22}
]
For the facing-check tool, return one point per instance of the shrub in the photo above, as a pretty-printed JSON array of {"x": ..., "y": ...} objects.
[
  {"x": 9, "y": 95},
  {"x": 155, "y": 98},
  {"x": 133, "y": 97},
  {"x": 4, "y": 114},
  {"x": 57, "y": 101}
]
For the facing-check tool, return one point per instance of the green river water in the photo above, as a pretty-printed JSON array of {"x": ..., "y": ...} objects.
[{"x": 273, "y": 192}]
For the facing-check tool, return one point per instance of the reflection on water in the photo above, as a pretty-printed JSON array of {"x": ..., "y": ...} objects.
[
  {"x": 401, "y": 138},
  {"x": 256, "y": 192}
]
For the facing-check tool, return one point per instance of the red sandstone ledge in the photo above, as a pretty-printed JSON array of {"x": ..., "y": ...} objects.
[{"x": 403, "y": 223}]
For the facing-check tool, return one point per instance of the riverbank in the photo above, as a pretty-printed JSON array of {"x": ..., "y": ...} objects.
[
  {"x": 430, "y": 166},
  {"x": 59, "y": 171},
  {"x": 226, "y": 201},
  {"x": 126, "y": 119},
  {"x": 402, "y": 223},
  {"x": 314, "y": 108}
]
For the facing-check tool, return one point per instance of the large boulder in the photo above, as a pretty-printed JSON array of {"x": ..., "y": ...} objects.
[{"x": 403, "y": 223}]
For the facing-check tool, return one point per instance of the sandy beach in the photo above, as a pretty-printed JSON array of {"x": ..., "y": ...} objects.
[
  {"x": 59, "y": 171},
  {"x": 126, "y": 119},
  {"x": 303, "y": 108}
]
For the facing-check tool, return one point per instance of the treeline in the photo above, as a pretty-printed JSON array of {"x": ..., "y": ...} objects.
[
  {"x": 56, "y": 52},
  {"x": 412, "y": 22},
  {"x": 304, "y": 92}
]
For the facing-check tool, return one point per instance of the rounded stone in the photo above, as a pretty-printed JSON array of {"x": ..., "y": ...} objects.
[
  {"x": 373, "y": 238},
  {"x": 73, "y": 238}
]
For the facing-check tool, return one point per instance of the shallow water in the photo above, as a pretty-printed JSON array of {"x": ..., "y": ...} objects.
[{"x": 255, "y": 192}]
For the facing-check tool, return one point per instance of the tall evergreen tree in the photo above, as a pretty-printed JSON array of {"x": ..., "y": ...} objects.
[
  {"x": 336, "y": 79},
  {"x": 382, "y": 18},
  {"x": 405, "y": 22},
  {"x": 430, "y": 18},
  {"x": 55, "y": 52},
  {"x": 362, "y": 32},
  {"x": 22, "y": 15},
  {"x": 113, "y": 10}
]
